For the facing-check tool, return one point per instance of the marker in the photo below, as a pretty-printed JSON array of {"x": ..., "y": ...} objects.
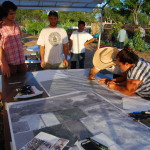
[
  {"x": 141, "y": 112},
  {"x": 137, "y": 112}
]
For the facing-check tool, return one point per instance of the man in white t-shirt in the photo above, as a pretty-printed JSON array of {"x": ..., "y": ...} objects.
[
  {"x": 53, "y": 41},
  {"x": 78, "y": 40},
  {"x": 122, "y": 37}
]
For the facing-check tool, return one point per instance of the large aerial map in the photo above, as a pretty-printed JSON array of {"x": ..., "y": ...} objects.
[{"x": 76, "y": 109}]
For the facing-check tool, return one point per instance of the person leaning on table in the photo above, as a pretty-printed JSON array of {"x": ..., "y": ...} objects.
[
  {"x": 104, "y": 58},
  {"x": 136, "y": 76}
]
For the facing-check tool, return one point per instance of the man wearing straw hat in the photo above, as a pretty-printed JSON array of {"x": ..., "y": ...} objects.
[{"x": 104, "y": 58}]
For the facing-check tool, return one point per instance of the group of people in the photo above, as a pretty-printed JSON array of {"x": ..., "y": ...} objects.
[
  {"x": 134, "y": 76},
  {"x": 53, "y": 41}
]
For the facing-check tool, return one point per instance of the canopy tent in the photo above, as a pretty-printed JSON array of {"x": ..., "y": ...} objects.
[
  {"x": 57, "y": 5},
  {"x": 60, "y": 5}
]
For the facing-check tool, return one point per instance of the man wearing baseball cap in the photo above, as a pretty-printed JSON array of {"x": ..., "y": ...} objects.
[{"x": 104, "y": 58}]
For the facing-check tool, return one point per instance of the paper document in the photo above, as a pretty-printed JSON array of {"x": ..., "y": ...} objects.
[
  {"x": 36, "y": 92},
  {"x": 44, "y": 141}
]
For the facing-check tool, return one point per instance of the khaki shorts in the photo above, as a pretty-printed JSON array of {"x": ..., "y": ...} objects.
[{"x": 55, "y": 66}]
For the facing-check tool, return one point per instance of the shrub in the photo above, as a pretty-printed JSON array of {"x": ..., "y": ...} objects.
[
  {"x": 68, "y": 24},
  {"x": 34, "y": 27},
  {"x": 115, "y": 30},
  {"x": 138, "y": 43}
]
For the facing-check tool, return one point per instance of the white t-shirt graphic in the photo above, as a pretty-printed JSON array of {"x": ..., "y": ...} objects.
[{"x": 53, "y": 39}]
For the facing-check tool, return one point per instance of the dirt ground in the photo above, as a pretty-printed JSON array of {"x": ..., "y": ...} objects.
[{"x": 31, "y": 41}]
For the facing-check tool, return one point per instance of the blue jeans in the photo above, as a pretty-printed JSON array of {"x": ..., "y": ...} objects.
[
  {"x": 77, "y": 58},
  {"x": 121, "y": 45}
]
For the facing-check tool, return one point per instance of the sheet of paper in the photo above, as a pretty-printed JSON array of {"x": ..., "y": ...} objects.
[
  {"x": 35, "y": 90},
  {"x": 44, "y": 141}
]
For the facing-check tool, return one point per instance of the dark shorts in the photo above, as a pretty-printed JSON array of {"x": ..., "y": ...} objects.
[{"x": 18, "y": 68}]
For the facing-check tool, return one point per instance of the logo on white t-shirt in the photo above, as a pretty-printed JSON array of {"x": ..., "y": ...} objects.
[{"x": 54, "y": 38}]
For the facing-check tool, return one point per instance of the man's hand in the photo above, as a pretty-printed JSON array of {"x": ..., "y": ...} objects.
[
  {"x": 112, "y": 85},
  {"x": 66, "y": 63},
  {"x": 104, "y": 81},
  {"x": 43, "y": 64},
  {"x": 91, "y": 77},
  {"x": 5, "y": 70}
]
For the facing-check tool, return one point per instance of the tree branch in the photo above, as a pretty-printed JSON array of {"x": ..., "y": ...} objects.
[{"x": 105, "y": 4}]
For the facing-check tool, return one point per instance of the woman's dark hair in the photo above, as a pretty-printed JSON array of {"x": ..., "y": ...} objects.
[
  {"x": 127, "y": 55},
  {"x": 2, "y": 13},
  {"x": 81, "y": 22},
  {"x": 8, "y": 5}
]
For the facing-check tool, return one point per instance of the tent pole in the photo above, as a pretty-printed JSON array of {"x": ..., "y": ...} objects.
[{"x": 101, "y": 28}]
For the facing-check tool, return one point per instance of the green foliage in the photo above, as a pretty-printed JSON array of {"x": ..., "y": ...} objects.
[
  {"x": 37, "y": 15},
  {"x": 34, "y": 27},
  {"x": 64, "y": 17},
  {"x": 114, "y": 15},
  {"x": 115, "y": 3},
  {"x": 127, "y": 8},
  {"x": 146, "y": 7},
  {"x": 147, "y": 47},
  {"x": 105, "y": 42},
  {"x": 68, "y": 24},
  {"x": 143, "y": 19},
  {"x": 31, "y": 21},
  {"x": 138, "y": 43},
  {"x": 130, "y": 43},
  {"x": 116, "y": 28}
]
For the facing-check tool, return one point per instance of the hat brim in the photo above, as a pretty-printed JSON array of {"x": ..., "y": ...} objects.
[{"x": 97, "y": 61}]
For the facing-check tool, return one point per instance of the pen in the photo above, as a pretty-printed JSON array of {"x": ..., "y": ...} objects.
[
  {"x": 15, "y": 83},
  {"x": 142, "y": 112},
  {"x": 136, "y": 115}
]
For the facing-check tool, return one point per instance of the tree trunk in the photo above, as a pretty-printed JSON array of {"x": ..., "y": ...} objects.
[{"x": 135, "y": 17}]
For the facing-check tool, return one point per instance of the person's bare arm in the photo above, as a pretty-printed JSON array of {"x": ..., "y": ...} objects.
[
  {"x": 93, "y": 71},
  {"x": 70, "y": 45},
  {"x": 66, "y": 52},
  {"x": 119, "y": 80},
  {"x": 88, "y": 42},
  {"x": 42, "y": 52},
  {"x": 129, "y": 89},
  {"x": 4, "y": 66}
]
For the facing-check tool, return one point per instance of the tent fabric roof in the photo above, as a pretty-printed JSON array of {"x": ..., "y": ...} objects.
[{"x": 57, "y": 5}]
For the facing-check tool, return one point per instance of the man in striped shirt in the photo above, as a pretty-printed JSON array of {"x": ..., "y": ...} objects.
[
  {"x": 11, "y": 50},
  {"x": 135, "y": 79}
]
